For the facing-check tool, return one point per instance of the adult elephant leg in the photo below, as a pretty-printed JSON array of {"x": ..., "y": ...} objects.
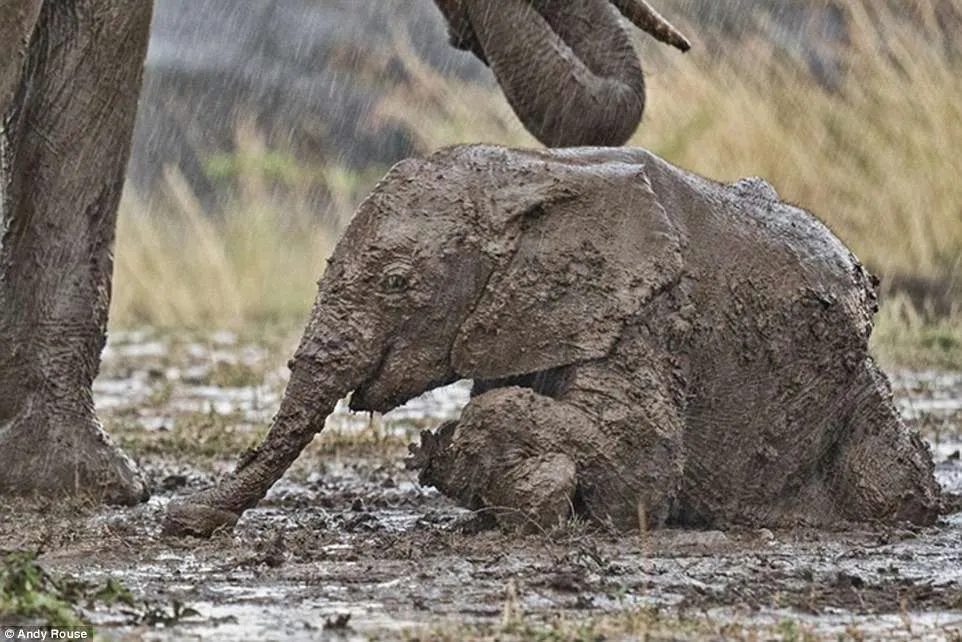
[
  {"x": 17, "y": 21},
  {"x": 69, "y": 97},
  {"x": 567, "y": 67}
]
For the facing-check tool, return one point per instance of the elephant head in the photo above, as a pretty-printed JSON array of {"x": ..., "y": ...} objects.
[
  {"x": 461, "y": 266},
  {"x": 567, "y": 67}
]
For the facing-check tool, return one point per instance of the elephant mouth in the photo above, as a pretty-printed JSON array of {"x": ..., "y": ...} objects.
[
  {"x": 551, "y": 383},
  {"x": 375, "y": 396},
  {"x": 368, "y": 398},
  {"x": 370, "y": 395},
  {"x": 389, "y": 387}
]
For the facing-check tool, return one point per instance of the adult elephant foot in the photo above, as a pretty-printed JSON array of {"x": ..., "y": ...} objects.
[
  {"x": 70, "y": 73},
  {"x": 66, "y": 456}
]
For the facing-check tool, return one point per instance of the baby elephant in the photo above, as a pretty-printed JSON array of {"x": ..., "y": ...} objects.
[
  {"x": 660, "y": 348},
  {"x": 646, "y": 346}
]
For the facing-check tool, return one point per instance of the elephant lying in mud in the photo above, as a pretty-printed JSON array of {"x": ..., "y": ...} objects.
[{"x": 642, "y": 342}]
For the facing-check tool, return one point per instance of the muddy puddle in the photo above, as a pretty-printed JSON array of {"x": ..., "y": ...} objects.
[{"x": 348, "y": 546}]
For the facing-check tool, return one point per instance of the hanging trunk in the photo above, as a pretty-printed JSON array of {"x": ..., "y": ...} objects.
[
  {"x": 338, "y": 352},
  {"x": 567, "y": 67},
  {"x": 69, "y": 77},
  {"x": 309, "y": 398}
]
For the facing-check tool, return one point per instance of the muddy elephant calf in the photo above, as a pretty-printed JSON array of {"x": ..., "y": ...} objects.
[{"x": 645, "y": 344}]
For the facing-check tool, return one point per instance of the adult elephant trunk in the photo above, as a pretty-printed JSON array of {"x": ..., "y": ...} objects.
[
  {"x": 336, "y": 355},
  {"x": 567, "y": 67}
]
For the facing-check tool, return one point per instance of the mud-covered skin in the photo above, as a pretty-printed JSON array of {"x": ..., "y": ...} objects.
[
  {"x": 765, "y": 407},
  {"x": 70, "y": 72},
  {"x": 567, "y": 67},
  {"x": 644, "y": 342}
]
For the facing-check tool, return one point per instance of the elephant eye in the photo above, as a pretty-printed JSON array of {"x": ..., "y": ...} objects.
[{"x": 394, "y": 283}]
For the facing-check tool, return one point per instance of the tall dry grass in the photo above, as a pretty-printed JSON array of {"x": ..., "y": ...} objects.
[
  {"x": 183, "y": 268},
  {"x": 877, "y": 159}
]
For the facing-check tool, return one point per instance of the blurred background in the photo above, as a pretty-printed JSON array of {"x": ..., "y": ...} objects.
[{"x": 263, "y": 123}]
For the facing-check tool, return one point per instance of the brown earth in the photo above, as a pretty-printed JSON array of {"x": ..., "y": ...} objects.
[{"x": 349, "y": 532}]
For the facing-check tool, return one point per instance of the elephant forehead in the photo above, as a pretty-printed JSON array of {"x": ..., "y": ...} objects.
[{"x": 380, "y": 234}]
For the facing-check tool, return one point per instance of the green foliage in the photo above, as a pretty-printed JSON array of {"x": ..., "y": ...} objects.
[
  {"x": 31, "y": 596},
  {"x": 270, "y": 164}
]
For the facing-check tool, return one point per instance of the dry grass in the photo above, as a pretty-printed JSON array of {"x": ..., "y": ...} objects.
[
  {"x": 877, "y": 160},
  {"x": 184, "y": 269},
  {"x": 911, "y": 336}
]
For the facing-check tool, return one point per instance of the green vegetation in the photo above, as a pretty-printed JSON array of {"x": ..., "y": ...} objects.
[
  {"x": 29, "y": 595},
  {"x": 874, "y": 159}
]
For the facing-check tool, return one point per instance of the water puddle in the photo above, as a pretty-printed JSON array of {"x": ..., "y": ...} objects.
[{"x": 355, "y": 549}]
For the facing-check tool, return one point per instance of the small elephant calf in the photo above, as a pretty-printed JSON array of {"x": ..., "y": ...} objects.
[
  {"x": 722, "y": 373},
  {"x": 647, "y": 347}
]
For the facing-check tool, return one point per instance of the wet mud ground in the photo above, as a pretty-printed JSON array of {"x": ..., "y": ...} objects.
[{"x": 348, "y": 546}]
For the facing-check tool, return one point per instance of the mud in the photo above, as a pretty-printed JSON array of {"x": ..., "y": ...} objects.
[{"x": 349, "y": 532}]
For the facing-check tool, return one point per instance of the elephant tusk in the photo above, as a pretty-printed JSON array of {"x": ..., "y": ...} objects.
[{"x": 644, "y": 16}]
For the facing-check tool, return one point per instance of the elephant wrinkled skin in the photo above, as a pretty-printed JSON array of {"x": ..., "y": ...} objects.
[
  {"x": 645, "y": 344},
  {"x": 70, "y": 74},
  {"x": 567, "y": 67}
]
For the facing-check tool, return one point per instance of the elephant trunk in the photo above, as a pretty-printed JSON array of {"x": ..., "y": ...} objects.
[
  {"x": 643, "y": 15},
  {"x": 330, "y": 362},
  {"x": 572, "y": 76}
]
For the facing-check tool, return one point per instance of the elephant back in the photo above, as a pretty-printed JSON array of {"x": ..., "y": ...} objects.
[{"x": 779, "y": 349}]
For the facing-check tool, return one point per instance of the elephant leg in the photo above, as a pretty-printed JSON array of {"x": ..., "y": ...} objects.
[
  {"x": 535, "y": 461},
  {"x": 69, "y": 78},
  {"x": 506, "y": 455},
  {"x": 884, "y": 470},
  {"x": 632, "y": 474}
]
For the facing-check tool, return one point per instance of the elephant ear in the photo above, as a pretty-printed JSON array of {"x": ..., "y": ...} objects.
[{"x": 580, "y": 267}]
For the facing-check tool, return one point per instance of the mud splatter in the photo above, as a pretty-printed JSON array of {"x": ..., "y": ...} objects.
[{"x": 348, "y": 531}]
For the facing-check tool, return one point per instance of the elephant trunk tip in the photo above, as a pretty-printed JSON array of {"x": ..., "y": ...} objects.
[
  {"x": 191, "y": 519},
  {"x": 681, "y": 43},
  {"x": 646, "y": 18}
]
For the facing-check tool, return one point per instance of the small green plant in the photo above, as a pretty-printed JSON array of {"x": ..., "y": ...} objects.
[
  {"x": 155, "y": 614},
  {"x": 30, "y": 595},
  {"x": 113, "y": 592}
]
